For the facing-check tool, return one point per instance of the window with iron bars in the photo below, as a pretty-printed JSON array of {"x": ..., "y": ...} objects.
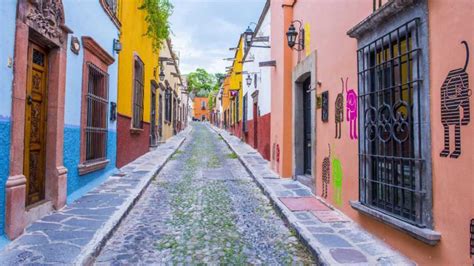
[
  {"x": 390, "y": 152},
  {"x": 137, "y": 119},
  {"x": 97, "y": 105}
]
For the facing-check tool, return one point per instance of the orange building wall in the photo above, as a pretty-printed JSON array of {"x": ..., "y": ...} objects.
[
  {"x": 453, "y": 181},
  {"x": 198, "y": 112}
]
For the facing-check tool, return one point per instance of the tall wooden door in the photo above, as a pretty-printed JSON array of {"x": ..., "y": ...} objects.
[
  {"x": 35, "y": 124},
  {"x": 307, "y": 125}
]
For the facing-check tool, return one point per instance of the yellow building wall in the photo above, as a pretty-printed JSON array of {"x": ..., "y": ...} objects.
[
  {"x": 134, "y": 42},
  {"x": 235, "y": 80}
]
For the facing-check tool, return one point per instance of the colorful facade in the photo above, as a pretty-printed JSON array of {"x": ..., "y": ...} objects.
[
  {"x": 235, "y": 90},
  {"x": 256, "y": 103},
  {"x": 138, "y": 78},
  {"x": 201, "y": 110},
  {"x": 373, "y": 115},
  {"x": 94, "y": 61}
]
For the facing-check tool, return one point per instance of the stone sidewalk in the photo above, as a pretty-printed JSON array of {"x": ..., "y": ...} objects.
[
  {"x": 77, "y": 232},
  {"x": 332, "y": 237}
]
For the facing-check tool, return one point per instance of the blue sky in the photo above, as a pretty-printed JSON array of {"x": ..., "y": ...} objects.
[{"x": 204, "y": 30}]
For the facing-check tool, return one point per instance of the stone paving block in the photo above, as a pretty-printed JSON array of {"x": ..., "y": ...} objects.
[
  {"x": 320, "y": 229},
  {"x": 291, "y": 186},
  {"x": 332, "y": 240},
  {"x": 303, "y": 215},
  {"x": 329, "y": 216},
  {"x": 347, "y": 255},
  {"x": 373, "y": 249},
  {"x": 302, "y": 192},
  {"x": 303, "y": 204},
  {"x": 58, "y": 252},
  {"x": 355, "y": 236}
]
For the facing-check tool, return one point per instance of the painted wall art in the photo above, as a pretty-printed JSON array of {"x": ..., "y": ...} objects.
[
  {"x": 351, "y": 108},
  {"x": 339, "y": 113},
  {"x": 326, "y": 173},
  {"x": 325, "y": 106},
  {"x": 336, "y": 178},
  {"x": 455, "y": 106}
]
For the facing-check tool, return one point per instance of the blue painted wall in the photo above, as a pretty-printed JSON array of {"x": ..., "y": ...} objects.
[
  {"x": 86, "y": 19},
  {"x": 7, "y": 37}
]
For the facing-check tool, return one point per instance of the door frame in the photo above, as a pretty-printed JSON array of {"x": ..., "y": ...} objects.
[
  {"x": 27, "y": 28},
  {"x": 306, "y": 68}
]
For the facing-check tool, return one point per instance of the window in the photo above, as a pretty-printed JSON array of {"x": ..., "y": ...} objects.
[
  {"x": 203, "y": 105},
  {"x": 97, "y": 106},
  {"x": 244, "y": 118},
  {"x": 390, "y": 92},
  {"x": 137, "y": 119},
  {"x": 236, "y": 107}
]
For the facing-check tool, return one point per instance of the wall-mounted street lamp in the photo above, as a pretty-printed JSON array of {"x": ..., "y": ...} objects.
[
  {"x": 249, "y": 38},
  {"x": 117, "y": 46},
  {"x": 162, "y": 73},
  {"x": 292, "y": 34},
  {"x": 248, "y": 80}
]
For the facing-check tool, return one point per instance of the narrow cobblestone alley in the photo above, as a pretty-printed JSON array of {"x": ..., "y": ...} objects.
[{"x": 203, "y": 207}]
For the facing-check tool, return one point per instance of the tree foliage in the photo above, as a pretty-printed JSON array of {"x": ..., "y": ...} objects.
[
  {"x": 158, "y": 13},
  {"x": 204, "y": 84}
]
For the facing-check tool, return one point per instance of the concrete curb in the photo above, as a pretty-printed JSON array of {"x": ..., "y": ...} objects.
[
  {"x": 303, "y": 235},
  {"x": 93, "y": 248}
]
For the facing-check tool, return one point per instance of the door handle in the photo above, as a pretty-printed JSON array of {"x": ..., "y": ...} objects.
[{"x": 29, "y": 99}]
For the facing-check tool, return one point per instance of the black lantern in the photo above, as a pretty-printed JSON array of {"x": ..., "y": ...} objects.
[
  {"x": 248, "y": 80},
  {"x": 162, "y": 74},
  {"x": 292, "y": 34},
  {"x": 248, "y": 36}
]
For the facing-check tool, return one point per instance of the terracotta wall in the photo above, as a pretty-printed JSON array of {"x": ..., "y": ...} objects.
[
  {"x": 198, "y": 111},
  {"x": 136, "y": 144},
  {"x": 453, "y": 181},
  {"x": 450, "y": 22},
  {"x": 263, "y": 135}
]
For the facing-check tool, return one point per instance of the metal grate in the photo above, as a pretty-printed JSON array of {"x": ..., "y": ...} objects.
[
  {"x": 96, "y": 124},
  {"x": 138, "y": 95},
  {"x": 472, "y": 239},
  {"x": 389, "y": 100}
]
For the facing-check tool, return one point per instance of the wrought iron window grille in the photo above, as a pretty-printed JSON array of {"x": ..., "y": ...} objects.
[
  {"x": 390, "y": 152},
  {"x": 97, "y": 109}
]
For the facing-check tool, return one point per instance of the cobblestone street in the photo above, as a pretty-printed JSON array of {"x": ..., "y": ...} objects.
[{"x": 203, "y": 207}]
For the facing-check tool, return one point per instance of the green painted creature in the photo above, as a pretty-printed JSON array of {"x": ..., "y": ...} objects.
[{"x": 337, "y": 179}]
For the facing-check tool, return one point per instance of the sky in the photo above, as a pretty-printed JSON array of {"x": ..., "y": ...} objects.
[{"x": 204, "y": 30}]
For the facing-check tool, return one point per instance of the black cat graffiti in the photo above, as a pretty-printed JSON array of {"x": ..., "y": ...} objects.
[{"x": 455, "y": 94}]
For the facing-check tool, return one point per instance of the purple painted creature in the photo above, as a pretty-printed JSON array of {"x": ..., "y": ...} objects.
[{"x": 351, "y": 107}]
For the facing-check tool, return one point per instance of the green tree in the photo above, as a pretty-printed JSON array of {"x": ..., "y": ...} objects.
[
  {"x": 157, "y": 15},
  {"x": 200, "y": 80}
]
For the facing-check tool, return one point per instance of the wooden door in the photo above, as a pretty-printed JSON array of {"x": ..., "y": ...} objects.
[{"x": 35, "y": 124}]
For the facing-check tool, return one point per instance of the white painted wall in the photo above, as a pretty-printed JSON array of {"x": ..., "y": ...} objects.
[{"x": 263, "y": 73}]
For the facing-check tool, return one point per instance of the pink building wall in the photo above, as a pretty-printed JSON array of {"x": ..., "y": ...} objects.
[{"x": 453, "y": 181}]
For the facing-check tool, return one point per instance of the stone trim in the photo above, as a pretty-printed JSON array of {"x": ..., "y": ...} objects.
[
  {"x": 85, "y": 168},
  {"x": 378, "y": 17},
  {"x": 426, "y": 235},
  {"x": 92, "y": 46}
]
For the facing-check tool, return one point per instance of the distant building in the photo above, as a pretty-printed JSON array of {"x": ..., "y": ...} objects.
[{"x": 201, "y": 108}]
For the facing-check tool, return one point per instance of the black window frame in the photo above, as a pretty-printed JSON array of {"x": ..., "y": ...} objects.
[
  {"x": 138, "y": 93},
  {"x": 390, "y": 131}
]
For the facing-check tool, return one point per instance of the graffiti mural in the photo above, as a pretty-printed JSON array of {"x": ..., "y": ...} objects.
[
  {"x": 339, "y": 114},
  {"x": 337, "y": 179},
  {"x": 351, "y": 108},
  {"x": 326, "y": 174},
  {"x": 455, "y": 106}
]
